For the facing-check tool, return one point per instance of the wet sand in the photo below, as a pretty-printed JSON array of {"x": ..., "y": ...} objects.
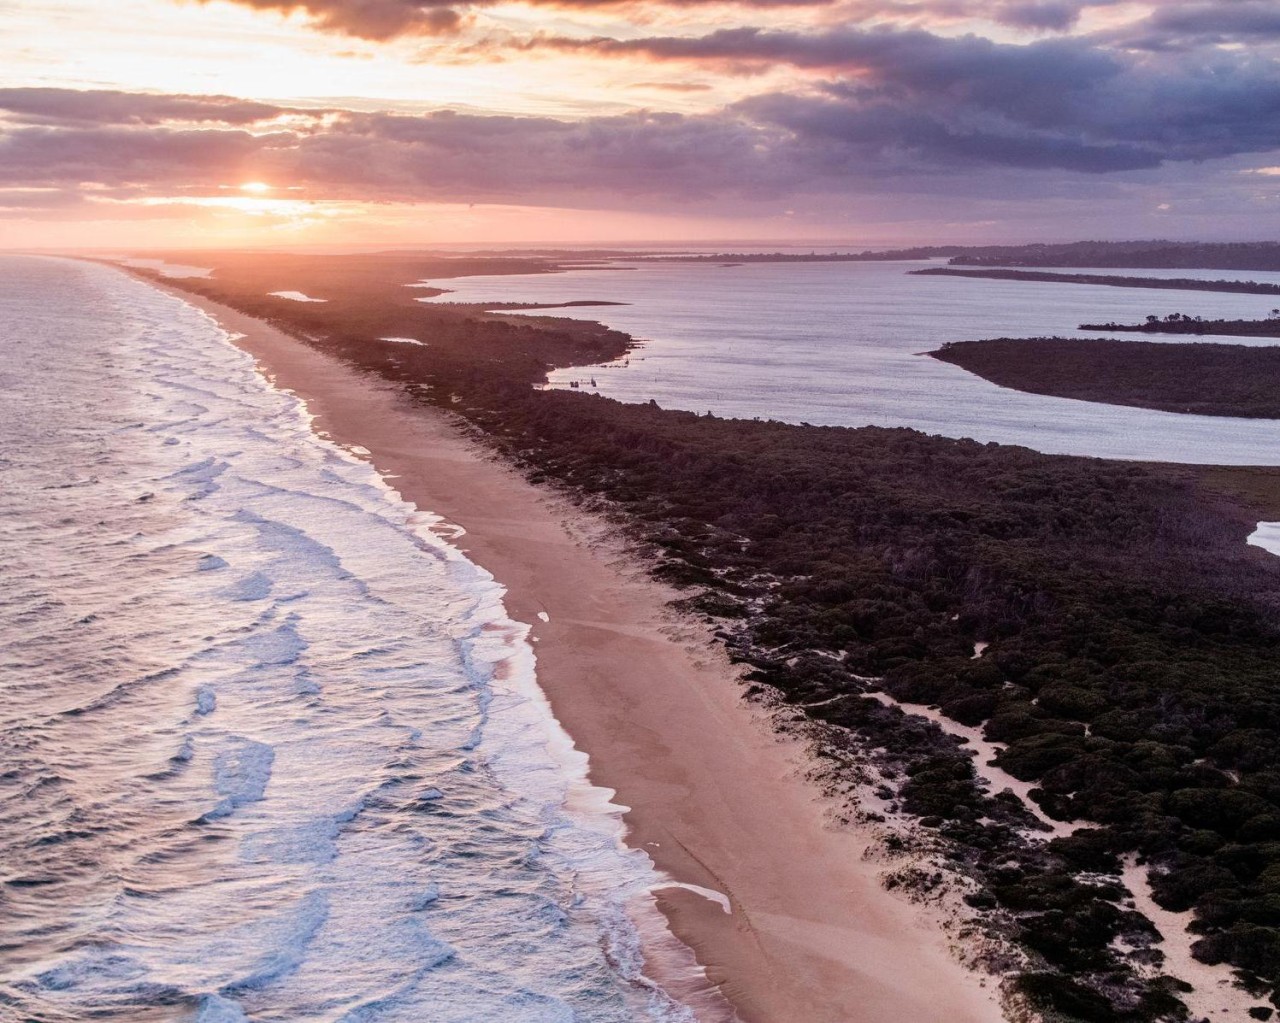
[{"x": 714, "y": 796}]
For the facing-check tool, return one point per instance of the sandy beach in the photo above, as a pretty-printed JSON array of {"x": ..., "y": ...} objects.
[{"x": 714, "y": 796}]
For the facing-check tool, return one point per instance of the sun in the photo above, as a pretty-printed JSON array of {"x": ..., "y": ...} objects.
[{"x": 255, "y": 187}]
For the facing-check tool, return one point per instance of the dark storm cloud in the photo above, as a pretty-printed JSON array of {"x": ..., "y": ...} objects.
[
  {"x": 48, "y": 105},
  {"x": 1062, "y": 102},
  {"x": 970, "y": 65},
  {"x": 893, "y": 138},
  {"x": 1039, "y": 15},
  {"x": 1182, "y": 26}
]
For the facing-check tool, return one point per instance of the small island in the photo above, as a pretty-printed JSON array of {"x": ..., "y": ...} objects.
[{"x": 1199, "y": 378}]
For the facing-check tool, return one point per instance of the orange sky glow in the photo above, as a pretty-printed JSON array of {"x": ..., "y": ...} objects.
[{"x": 342, "y": 123}]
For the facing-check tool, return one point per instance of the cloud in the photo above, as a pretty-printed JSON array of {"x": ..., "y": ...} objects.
[
  {"x": 1062, "y": 102},
  {"x": 381, "y": 20},
  {"x": 51, "y": 106},
  {"x": 1183, "y": 26},
  {"x": 369, "y": 19},
  {"x": 443, "y": 156},
  {"x": 1039, "y": 15},
  {"x": 896, "y": 138},
  {"x": 879, "y": 110}
]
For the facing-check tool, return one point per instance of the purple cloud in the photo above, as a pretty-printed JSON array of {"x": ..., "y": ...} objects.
[{"x": 104, "y": 106}]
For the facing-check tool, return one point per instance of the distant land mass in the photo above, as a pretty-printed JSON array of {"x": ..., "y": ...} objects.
[
  {"x": 876, "y": 256},
  {"x": 1199, "y": 378},
  {"x": 1153, "y": 255},
  {"x": 1150, "y": 254},
  {"x": 1108, "y": 280}
]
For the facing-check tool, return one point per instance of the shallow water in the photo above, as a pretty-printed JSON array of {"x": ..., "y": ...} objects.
[
  {"x": 269, "y": 748},
  {"x": 837, "y": 344}
]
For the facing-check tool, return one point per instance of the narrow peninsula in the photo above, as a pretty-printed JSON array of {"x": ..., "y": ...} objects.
[
  {"x": 1106, "y": 280},
  {"x": 1197, "y": 378}
]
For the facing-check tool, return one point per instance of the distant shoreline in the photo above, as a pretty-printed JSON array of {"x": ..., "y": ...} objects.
[{"x": 1106, "y": 280}]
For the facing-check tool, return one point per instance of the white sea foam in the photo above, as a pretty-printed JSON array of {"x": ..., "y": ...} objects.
[{"x": 254, "y": 683}]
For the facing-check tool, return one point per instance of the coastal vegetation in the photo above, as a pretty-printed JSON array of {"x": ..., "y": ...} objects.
[
  {"x": 1181, "y": 323},
  {"x": 738, "y": 258},
  {"x": 1140, "y": 254},
  {"x": 1108, "y": 280},
  {"x": 1125, "y": 634},
  {"x": 1149, "y": 254},
  {"x": 1199, "y": 378}
]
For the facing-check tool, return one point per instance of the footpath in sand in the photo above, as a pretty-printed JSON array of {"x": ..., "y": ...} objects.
[{"x": 714, "y": 797}]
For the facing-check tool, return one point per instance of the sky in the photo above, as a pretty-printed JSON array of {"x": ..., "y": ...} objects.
[{"x": 332, "y": 123}]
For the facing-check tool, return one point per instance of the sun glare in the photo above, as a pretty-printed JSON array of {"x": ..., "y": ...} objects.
[{"x": 255, "y": 187}]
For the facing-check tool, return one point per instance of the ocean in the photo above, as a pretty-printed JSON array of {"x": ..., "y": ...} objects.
[
  {"x": 839, "y": 344},
  {"x": 270, "y": 748}
]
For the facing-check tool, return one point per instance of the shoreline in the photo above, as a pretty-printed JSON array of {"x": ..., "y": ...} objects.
[
  {"x": 1200, "y": 378},
  {"x": 1106, "y": 280},
  {"x": 714, "y": 797}
]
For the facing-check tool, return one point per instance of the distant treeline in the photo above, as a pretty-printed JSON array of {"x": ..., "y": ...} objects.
[
  {"x": 1108, "y": 280},
  {"x": 919, "y": 252},
  {"x": 1139, "y": 254},
  {"x": 1150, "y": 254},
  {"x": 1202, "y": 379},
  {"x": 1133, "y": 666}
]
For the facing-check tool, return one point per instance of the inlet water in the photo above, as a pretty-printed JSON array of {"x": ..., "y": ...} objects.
[{"x": 839, "y": 344}]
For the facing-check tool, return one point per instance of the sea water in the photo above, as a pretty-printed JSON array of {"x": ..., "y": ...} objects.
[
  {"x": 270, "y": 749},
  {"x": 840, "y": 344}
]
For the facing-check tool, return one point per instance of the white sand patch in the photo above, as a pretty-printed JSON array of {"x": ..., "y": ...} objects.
[
  {"x": 996, "y": 778},
  {"x": 1215, "y": 995},
  {"x": 296, "y": 296}
]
